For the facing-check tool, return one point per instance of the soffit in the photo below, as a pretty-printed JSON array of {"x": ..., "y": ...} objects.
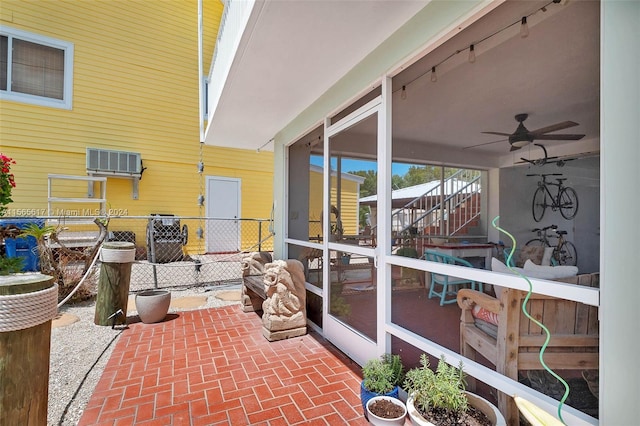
[{"x": 292, "y": 52}]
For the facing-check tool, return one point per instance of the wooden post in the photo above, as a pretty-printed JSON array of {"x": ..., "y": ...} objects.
[
  {"x": 113, "y": 285},
  {"x": 24, "y": 355}
]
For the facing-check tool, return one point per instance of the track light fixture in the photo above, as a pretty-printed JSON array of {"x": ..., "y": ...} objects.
[
  {"x": 524, "y": 33},
  {"x": 472, "y": 54},
  {"x": 524, "y": 28}
]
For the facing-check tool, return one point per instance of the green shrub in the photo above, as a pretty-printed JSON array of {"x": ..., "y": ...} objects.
[
  {"x": 443, "y": 388},
  {"x": 383, "y": 374},
  {"x": 10, "y": 265}
]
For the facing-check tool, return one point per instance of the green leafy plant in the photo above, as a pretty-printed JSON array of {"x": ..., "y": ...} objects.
[
  {"x": 42, "y": 234},
  {"x": 339, "y": 305},
  {"x": 442, "y": 389},
  {"x": 383, "y": 374},
  {"x": 10, "y": 265},
  {"x": 408, "y": 250}
]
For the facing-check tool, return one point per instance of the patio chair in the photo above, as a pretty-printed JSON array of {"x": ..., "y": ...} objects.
[{"x": 449, "y": 285}]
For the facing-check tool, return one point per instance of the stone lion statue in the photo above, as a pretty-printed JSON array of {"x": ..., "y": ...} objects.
[{"x": 285, "y": 305}]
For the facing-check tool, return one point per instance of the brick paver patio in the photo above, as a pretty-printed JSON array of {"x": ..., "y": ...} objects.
[{"x": 214, "y": 367}]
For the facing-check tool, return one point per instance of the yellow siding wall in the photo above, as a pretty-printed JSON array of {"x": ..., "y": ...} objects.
[
  {"x": 135, "y": 89},
  {"x": 348, "y": 205}
]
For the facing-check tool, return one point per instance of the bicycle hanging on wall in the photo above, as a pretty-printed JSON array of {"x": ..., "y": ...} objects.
[
  {"x": 565, "y": 199},
  {"x": 564, "y": 252}
]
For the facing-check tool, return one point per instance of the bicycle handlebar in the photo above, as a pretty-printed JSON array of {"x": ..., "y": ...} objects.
[
  {"x": 545, "y": 174},
  {"x": 545, "y": 228}
]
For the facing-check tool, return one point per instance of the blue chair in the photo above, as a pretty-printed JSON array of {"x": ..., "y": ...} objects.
[{"x": 449, "y": 284}]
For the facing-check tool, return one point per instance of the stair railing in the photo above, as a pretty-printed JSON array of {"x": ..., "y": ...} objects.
[{"x": 461, "y": 206}]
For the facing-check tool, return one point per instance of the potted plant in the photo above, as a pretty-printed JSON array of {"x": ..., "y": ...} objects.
[
  {"x": 386, "y": 410},
  {"x": 408, "y": 275},
  {"x": 439, "y": 398},
  {"x": 381, "y": 377}
]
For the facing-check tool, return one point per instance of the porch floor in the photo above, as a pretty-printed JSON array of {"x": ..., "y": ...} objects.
[{"x": 214, "y": 367}]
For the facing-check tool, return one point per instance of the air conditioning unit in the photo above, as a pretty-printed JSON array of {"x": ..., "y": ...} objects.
[{"x": 105, "y": 161}]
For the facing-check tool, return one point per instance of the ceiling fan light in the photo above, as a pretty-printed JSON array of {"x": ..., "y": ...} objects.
[{"x": 520, "y": 144}]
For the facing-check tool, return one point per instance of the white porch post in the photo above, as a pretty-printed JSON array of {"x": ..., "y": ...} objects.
[
  {"x": 383, "y": 248},
  {"x": 620, "y": 232}
]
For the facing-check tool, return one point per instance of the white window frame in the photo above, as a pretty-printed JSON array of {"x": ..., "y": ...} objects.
[{"x": 67, "y": 47}]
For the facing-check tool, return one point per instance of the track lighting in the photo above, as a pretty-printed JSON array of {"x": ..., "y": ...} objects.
[
  {"x": 524, "y": 33},
  {"x": 524, "y": 28},
  {"x": 200, "y": 200}
]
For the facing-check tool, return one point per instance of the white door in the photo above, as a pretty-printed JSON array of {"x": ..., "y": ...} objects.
[
  {"x": 350, "y": 322},
  {"x": 223, "y": 212}
]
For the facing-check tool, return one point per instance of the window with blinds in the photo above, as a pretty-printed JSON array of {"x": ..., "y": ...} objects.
[{"x": 35, "y": 69}]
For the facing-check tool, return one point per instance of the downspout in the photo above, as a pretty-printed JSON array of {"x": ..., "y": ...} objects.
[{"x": 200, "y": 74}]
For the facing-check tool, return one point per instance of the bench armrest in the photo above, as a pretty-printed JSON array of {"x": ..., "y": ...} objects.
[{"x": 468, "y": 298}]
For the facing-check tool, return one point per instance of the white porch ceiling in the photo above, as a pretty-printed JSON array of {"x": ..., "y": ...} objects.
[
  {"x": 291, "y": 54},
  {"x": 297, "y": 50}
]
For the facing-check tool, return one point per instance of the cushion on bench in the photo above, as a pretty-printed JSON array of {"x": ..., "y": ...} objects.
[
  {"x": 532, "y": 270},
  {"x": 484, "y": 315}
]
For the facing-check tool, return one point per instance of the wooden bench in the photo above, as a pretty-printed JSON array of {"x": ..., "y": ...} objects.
[
  {"x": 76, "y": 239},
  {"x": 515, "y": 346},
  {"x": 253, "y": 289}
]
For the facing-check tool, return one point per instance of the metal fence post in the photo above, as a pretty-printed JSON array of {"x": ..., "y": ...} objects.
[{"x": 259, "y": 235}]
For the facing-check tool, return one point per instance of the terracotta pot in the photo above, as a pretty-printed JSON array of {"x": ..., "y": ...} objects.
[
  {"x": 153, "y": 305},
  {"x": 381, "y": 421},
  {"x": 491, "y": 411}
]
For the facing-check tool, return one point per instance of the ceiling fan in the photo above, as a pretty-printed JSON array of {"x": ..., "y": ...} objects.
[{"x": 522, "y": 136}]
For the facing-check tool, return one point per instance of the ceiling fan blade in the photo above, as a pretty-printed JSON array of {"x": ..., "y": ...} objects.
[
  {"x": 553, "y": 128},
  {"x": 497, "y": 133},
  {"x": 483, "y": 144},
  {"x": 558, "y": 137}
]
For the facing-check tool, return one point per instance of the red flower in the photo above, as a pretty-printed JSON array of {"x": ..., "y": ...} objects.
[{"x": 7, "y": 181}]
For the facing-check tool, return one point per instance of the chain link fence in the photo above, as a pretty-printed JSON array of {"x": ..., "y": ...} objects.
[{"x": 171, "y": 251}]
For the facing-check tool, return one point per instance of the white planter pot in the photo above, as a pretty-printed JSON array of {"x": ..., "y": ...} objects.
[
  {"x": 491, "y": 411},
  {"x": 380, "y": 421},
  {"x": 153, "y": 305},
  {"x": 118, "y": 252}
]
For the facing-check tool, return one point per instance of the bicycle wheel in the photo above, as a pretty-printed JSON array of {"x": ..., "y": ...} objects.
[
  {"x": 566, "y": 254},
  {"x": 539, "y": 204},
  {"x": 568, "y": 203}
]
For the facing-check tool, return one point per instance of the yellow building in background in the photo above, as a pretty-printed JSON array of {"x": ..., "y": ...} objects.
[
  {"x": 347, "y": 206},
  {"x": 122, "y": 79}
]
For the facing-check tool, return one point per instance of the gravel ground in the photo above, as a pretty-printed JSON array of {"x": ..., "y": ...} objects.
[{"x": 80, "y": 351}]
